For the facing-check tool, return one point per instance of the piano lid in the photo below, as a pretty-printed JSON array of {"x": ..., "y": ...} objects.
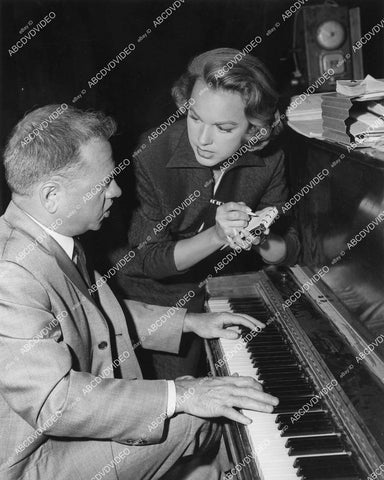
[{"x": 341, "y": 222}]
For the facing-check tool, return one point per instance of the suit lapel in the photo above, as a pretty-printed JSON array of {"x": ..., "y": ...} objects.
[{"x": 68, "y": 267}]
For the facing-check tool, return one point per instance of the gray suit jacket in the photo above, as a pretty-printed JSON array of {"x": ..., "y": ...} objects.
[{"x": 56, "y": 352}]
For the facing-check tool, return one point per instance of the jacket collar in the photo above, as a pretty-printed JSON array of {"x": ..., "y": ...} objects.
[
  {"x": 19, "y": 220},
  {"x": 183, "y": 156}
]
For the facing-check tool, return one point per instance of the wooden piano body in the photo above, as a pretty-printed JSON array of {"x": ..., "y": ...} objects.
[{"x": 333, "y": 326}]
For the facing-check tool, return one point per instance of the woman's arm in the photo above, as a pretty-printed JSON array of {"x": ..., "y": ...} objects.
[
  {"x": 282, "y": 244},
  {"x": 191, "y": 251},
  {"x": 274, "y": 249}
]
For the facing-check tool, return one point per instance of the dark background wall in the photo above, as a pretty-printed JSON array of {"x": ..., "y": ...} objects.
[{"x": 56, "y": 64}]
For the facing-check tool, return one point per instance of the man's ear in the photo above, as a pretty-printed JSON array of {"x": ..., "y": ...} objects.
[{"x": 50, "y": 193}]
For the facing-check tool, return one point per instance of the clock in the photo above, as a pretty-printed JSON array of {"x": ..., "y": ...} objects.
[
  {"x": 324, "y": 35},
  {"x": 330, "y": 34}
]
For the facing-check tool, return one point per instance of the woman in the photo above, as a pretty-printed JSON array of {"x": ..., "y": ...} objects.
[{"x": 197, "y": 182}]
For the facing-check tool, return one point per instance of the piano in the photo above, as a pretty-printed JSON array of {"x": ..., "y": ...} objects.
[
  {"x": 329, "y": 423},
  {"x": 322, "y": 351}
]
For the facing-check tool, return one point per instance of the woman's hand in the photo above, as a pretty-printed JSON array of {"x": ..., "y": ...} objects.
[{"x": 231, "y": 220}]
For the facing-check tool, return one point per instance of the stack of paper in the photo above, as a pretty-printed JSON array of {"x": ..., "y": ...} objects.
[
  {"x": 355, "y": 111},
  {"x": 362, "y": 90},
  {"x": 304, "y": 114}
]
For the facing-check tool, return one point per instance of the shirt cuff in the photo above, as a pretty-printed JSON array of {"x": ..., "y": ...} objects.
[{"x": 171, "y": 406}]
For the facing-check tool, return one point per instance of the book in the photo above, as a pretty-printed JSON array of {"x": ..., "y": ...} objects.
[
  {"x": 375, "y": 107},
  {"x": 330, "y": 134},
  {"x": 335, "y": 112},
  {"x": 335, "y": 99},
  {"x": 351, "y": 88},
  {"x": 307, "y": 109},
  {"x": 334, "y": 124},
  {"x": 366, "y": 123}
]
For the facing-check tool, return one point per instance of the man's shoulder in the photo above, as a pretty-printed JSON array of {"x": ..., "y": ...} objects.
[
  {"x": 16, "y": 246},
  {"x": 10, "y": 241}
]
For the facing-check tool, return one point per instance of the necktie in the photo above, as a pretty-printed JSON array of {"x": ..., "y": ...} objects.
[{"x": 80, "y": 261}]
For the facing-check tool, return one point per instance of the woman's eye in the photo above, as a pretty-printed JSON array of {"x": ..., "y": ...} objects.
[{"x": 224, "y": 129}]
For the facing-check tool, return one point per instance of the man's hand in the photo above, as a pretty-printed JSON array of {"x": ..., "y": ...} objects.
[
  {"x": 222, "y": 397},
  {"x": 218, "y": 325}
]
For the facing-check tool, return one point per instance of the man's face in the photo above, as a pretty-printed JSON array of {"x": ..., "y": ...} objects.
[
  {"x": 216, "y": 124},
  {"x": 86, "y": 200}
]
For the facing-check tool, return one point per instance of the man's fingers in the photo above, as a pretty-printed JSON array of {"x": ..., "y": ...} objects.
[
  {"x": 255, "y": 394},
  {"x": 252, "y": 404},
  {"x": 234, "y": 415},
  {"x": 228, "y": 334},
  {"x": 240, "y": 381},
  {"x": 245, "y": 320}
]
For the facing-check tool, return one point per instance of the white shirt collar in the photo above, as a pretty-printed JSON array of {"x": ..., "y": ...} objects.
[{"x": 66, "y": 243}]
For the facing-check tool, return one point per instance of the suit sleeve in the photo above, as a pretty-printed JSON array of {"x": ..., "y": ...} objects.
[
  {"x": 158, "y": 328},
  {"x": 149, "y": 235},
  {"x": 41, "y": 384},
  {"x": 276, "y": 195}
]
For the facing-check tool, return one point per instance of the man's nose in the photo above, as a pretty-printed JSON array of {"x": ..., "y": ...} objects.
[
  {"x": 114, "y": 191},
  {"x": 205, "y": 135}
]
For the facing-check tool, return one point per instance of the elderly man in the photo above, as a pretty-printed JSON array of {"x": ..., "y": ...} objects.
[{"x": 73, "y": 403}]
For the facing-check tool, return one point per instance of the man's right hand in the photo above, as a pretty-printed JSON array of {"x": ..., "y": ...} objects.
[{"x": 222, "y": 397}]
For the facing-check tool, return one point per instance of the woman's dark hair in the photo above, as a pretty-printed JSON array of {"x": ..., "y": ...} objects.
[{"x": 231, "y": 70}]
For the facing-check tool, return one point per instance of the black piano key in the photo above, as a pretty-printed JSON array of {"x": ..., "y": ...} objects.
[
  {"x": 298, "y": 392},
  {"x": 242, "y": 300},
  {"x": 268, "y": 347},
  {"x": 270, "y": 379},
  {"x": 255, "y": 345},
  {"x": 255, "y": 311},
  {"x": 272, "y": 361},
  {"x": 293, "y": 407},
  {"x": 325, "y": 463},
  {"x": 281, "y": 383},
  {"x": 331, "y": 465},
  {"x": 270, "y": 355},
  {"x": 314, "y": 445},
  {"x": 280, "y": 368},
  {"x": 285, "y": 383},
  {"x": 309, "y": 417},
  {"x": 297, "y": 429},
  {"x": 281, "y": 371},
  {"x": 338, "y": 476},
  {"x": 293, "y": 374},
  {"x": 303, "y": 398},
  {"x": 283, "y": 357}
]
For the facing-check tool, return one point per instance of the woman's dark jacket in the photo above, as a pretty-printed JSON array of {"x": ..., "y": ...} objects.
[{"x": 166, "y": 173}]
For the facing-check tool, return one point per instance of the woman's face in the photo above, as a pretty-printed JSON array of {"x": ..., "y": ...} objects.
[{"x": 216, "y": 124}]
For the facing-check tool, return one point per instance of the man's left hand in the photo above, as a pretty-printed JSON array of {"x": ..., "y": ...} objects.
[{"x": 218, "y": 325}]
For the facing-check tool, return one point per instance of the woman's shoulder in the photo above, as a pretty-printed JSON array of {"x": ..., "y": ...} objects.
[
  {"x": 157, "y": 145},
  {"x": 271, "y": 157}
]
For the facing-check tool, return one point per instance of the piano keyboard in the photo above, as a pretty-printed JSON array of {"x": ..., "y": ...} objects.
[{"x": 311, "y": 447}]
